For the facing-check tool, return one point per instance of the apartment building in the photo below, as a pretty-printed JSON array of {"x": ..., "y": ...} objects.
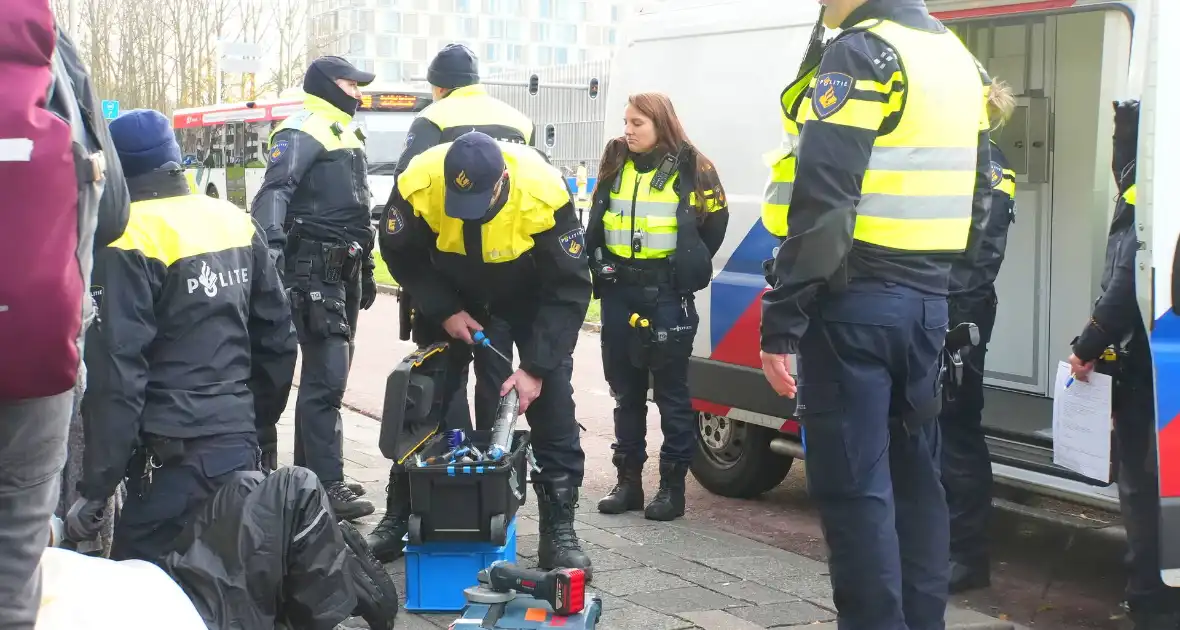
[{"x": 396, "y": 39}]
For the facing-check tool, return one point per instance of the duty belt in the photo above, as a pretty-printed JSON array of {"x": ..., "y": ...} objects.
[
  {"x": 336, "y": 260},
  {"x": 643, "y": 276}
]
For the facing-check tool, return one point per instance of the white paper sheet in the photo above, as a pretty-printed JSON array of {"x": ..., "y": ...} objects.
[{"x": 1081, "y": 424}]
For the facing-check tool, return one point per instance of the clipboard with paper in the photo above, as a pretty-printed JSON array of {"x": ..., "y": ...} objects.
[{"x": 1082, "y": 424}]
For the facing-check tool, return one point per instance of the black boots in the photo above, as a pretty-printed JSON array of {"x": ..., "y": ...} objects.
[
  {"x": 376, "y": 595},
  {"x": 969, "y": 575},
  {"x": 559, "y": 546},
  {"x": 345, "y": 504},
  {"x": 669, "y": 501},
  {"x": 386, "y": 539},
  {"x": 627, "y": 494}
]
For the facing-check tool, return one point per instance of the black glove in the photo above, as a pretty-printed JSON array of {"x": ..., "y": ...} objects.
[
  {"x": 1126, "y": 142},
  {"x": 368, "y": 290},
  {"x": 268, "y": 442},
  {"x": 85, "y": 519}
]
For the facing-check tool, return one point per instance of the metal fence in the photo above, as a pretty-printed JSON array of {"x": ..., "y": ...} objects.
[{"x": 576, "y": 118}]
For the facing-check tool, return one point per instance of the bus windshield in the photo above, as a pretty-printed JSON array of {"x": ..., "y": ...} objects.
[{"x": 385, "y": 137}]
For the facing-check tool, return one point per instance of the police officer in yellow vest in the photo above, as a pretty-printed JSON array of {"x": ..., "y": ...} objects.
[
  {"x": 966, "y": 462},
  {"x": 460, "y": 105},
  {"x": 659, "y": 216},
  {"x": 881, "y": 207},
  {"x": 314, "y": 207},
  {"x": 189, "y": 362},
  {"x": 487, "y": 228}
]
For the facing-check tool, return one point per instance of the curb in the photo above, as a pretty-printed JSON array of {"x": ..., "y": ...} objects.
[{"x": 386, "y": 289}]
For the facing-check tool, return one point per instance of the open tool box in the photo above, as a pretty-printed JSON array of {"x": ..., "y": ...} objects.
[{"x": 466, "y": 502}]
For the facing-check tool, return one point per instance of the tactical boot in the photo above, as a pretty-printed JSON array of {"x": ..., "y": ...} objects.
[
  {"x": 627, "y": 494},
  {"x": 345, "y": 504},
  {"x": 386, "y": 539},
  {"x": 969, "y": 575},
  {"x": 559, "y": 546},
  {"x": 669, "y": 501},
  {"x": 356, "y": 488},
  {"x": 376, "y": 594}
]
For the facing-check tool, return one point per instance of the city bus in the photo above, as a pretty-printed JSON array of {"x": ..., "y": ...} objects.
[
  {"x": 1067, "y": 61},
  {"x": 226, "y": 144}
]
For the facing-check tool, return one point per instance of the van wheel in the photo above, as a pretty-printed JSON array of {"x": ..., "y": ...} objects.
[
  {"x": 211, "y": 191},
  {"x": 733, "y": 458}
]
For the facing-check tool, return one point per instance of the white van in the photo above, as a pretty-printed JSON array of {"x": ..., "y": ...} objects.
[{"x": 724, "y": 64}]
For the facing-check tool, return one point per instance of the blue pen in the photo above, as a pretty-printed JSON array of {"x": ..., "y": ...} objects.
[{"x": 1069, "y": 382}]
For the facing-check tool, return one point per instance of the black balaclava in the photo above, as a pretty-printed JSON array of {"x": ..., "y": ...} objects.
[{"x": 319, "y": 82}]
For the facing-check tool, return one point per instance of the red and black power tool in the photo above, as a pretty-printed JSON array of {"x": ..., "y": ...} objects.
[{"x": 511, "y": 598}]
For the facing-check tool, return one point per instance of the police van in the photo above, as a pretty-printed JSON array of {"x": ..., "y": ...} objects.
[{"x": 1067, "y": 60}]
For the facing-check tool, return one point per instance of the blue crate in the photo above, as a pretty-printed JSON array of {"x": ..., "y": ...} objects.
[{"x": 438, "y": 572}]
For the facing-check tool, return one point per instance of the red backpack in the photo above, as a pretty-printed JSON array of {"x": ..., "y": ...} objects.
[{"x": 51, "y": 175}]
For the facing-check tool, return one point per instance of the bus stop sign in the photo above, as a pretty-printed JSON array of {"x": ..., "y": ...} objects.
[{"x": 110, "y": 110}]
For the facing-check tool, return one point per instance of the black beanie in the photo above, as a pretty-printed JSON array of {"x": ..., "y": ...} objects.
[{"x": 454, "y": 66}]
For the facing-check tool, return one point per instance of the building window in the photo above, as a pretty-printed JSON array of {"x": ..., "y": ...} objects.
[
  {"x": 446, "y": 6},
  {"x": 568, "y": 33},
  {"x": 385, "y": 3},
  {"x": 611, "y": 37},
  {"x": 516, "y": 54},
  {"x": 390, "y": 71},
  {"x": 467, "y": 27},
  {"x": 491, "y": 6},
  {"x": 356, "y": 44},
  {"x": 438, "y": 26},
  {"x": 511, "y": 7},
  {"x": 546, "y": 7},
  {"x": 367, "y": 65},
  {"x": 561, "y": 57},
  {"x": 540, "y": 32},
  {"x": 463, "y": 6},
  {"x": 583, "y": 55},
  {"x": 496, "y": 29},
  {"x": 410, "y": 24},
  {"x": 422, "y": 5},
  {"x": 545, "y": 55},
  {"x": 491, "y": 52},
  {"x": 420, "y": 49},
  {"x": 367, "y": 20},
  {"x": 384, "y": 46},
  {"x": 391, "y": 21},
  {"x": 614, "y": 13}
]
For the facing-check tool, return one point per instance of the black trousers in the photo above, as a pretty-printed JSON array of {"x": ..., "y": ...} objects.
[
  {"x": 966, "y": 463},
  {"x": 490, "y": 371},
  {"x": 1138, "y": 481},
  {"x": 628, "y": 374},
  {"x": 325, "y": 315}
]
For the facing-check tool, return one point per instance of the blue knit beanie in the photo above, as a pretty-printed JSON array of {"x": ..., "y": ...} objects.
[{"x": 144, "y": 140}]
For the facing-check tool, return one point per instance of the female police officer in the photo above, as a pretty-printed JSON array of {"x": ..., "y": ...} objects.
[{"x": 659, "y": 216}]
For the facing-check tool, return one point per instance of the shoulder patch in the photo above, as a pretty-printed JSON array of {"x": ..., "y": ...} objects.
[
  {"x": 409, "y": 140},
  {"x": 995, "y": 175},
  {"x": 394, "y": 223},
  {"x": 573, "y": 242},
  {"x": 278, "y": 150},
  {"x": 831, "y": 92}
]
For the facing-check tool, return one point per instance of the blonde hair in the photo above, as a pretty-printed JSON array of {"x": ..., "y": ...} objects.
[{"x": 1001, "y": 102}]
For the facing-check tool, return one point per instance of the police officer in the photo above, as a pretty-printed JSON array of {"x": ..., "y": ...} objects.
[
  {"x": 880, "y": 208},
  {"x": 966, "y": 463},
  {"x": 460, "y": 105},
  {"x": 189, "y": 364},
  {"x": 484, "y": 234},
  {"x": 1115, "y": 342},
  {"x": 314, "y": 206},
  {"x": 657, "y": 220}
]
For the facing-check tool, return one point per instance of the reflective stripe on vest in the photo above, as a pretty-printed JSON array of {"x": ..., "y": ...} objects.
[
  {"x": 917, "y": 191},
  {"x": 641, "y": 215},
  {"x": 472, "y": 103},
  {"x": 191, "y": 178},
  {"x": 776, "y": 199},
  {"x": 1130, "y": 195},
  {"x": 316, "y": 119},
  {"x": 536, "y": 191}
]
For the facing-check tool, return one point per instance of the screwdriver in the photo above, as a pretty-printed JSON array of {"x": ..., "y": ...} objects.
[{"x": 483, "y": 340}]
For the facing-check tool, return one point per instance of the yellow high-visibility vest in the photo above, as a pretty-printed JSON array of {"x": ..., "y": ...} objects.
[
  {"x": 536, "y": 191},
  {"x": 776, "y": 199},
  {"x": 472, "y": 106},
  {"x": 1130, "y": 195},
  {"x": 917, "y": 191},
  {"x": 641, "y": 220}
]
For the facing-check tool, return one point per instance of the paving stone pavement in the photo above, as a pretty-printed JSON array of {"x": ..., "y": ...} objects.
[{"x": 651, "y": 576}]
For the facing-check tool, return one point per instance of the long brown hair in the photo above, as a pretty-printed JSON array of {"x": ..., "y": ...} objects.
[{"x": 670, "y": 137}]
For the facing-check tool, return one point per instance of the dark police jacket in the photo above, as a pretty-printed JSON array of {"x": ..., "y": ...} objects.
[
  {"x": 975, "y": 279},
  {"x": 1115, "y": 319},
  {"x": 194, "y": 334},
  {"x": 697, "y": 241},
  {"x": 548, "y": 282},
  {"x": 317, "y": 181}
]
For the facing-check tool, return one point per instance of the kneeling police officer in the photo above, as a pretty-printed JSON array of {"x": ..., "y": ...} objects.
[
  {"x": 487, "y": 227},
  {"x": 189, "y": 363}
]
